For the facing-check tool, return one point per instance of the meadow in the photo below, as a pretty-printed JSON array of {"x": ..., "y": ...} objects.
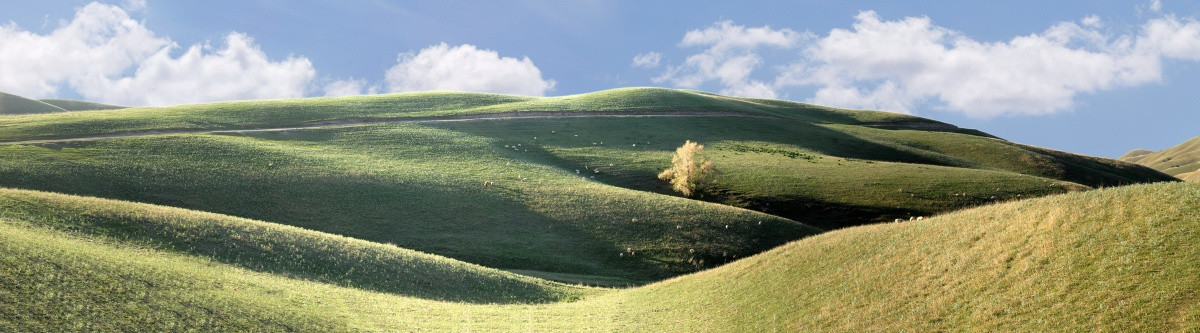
[
  {"x": 1113, "y": 259},
  {"x": 467, "y": 211}
]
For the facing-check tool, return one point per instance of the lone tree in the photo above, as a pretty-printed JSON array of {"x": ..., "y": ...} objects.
[{"x": 690, "y": 171}]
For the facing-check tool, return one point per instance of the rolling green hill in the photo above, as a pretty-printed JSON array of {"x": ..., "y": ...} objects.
[
  {"x": 12, "y": 104},
  {"x": 1181, "y": 161},
  {"x": 570, "y": 190},
  {"x": 74, "y": 105},
  {"x": 1117, "y": 259}
]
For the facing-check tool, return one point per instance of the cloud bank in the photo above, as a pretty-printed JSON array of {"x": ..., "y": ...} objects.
[
  {"x": 902, "y": 64},
  {"x": 105, "y": 55}
]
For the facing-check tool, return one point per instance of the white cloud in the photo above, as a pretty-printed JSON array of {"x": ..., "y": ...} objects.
[
  {"x": 729, "y": 59},
  {"x": 1092, "y": 21},
  {"x": 105, "y": 55},
  {"x": 466, "y": 68},
  {"x": 349, "y": 87},
  {"x": 647, "y": 60},
  {"x": 134, "y": 5},
  {"x": 102, "y": 40},
  {"x": 896, "y": 65},
  {"x": 201, "y": 74},
  {"x": 1156, "y": 5}
]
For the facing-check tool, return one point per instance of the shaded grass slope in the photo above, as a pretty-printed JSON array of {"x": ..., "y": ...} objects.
[
  {"x": 75, "y": 105},
  {"x": 13, "y": 105},
  {"x": 417, "y": 187},
  {"x": 1117, "y": 259},
  {"x": 1182, "y": 160},
  {"x": 273, "y": 248}
]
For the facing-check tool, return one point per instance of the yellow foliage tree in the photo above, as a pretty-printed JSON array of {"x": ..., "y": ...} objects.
[{"x": 690, "y": 170}]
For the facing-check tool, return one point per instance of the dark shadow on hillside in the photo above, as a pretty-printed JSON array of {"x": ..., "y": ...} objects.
[
  {"x": 424, "y": 217},
  {"x": 822, "y": 214}
]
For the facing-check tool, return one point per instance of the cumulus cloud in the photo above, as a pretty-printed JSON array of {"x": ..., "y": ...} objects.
[
  {"x": 102, "y": 40},
  {"x": 466, "y": 68},
  {"x": 896, "y": 65},
  {"x": 238, "y": 71},
  {"x": 729, "y": 58},
  {"x": 107, "y": 56},
  {"x": 900, "y": 65},
  {"x": 647, "y": 60},
  {"x": 349, "y": 87}
]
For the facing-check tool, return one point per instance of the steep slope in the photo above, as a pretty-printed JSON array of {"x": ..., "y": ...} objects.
[
  {"x": 74, "y": 105},
  {"x": 1181, "y": 161},
  {"x": 1117, "y": 259},
  {"x": 12, "y": 104}
]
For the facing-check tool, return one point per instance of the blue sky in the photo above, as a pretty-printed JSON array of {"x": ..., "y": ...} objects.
[{"x": 1092, "y": 77}]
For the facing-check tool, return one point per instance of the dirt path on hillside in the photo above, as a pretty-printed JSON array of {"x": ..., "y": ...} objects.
[{"x": 361, "y": 121}]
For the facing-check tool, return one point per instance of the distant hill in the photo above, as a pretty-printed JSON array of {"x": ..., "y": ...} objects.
[
  {"x": 12, "y": 104},
  {"x": 74, "y": 105},
  {"x": 1181, "y": 161}
]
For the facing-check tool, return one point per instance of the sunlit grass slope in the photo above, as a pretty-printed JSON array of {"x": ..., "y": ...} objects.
[
  {"x": 12, "y": 105},
  {"x": 1117, "y": 259},
  {"x": 1121, "y": 259},
  {"x": 1182, "y": 161}
]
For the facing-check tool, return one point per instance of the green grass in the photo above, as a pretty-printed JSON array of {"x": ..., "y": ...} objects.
[
  {"x": 1182, "y": 160},
  {"x": 74, "y": 105},
  {"x": 420, "y": 185},
  {"x": 16, "y": 105},
  {"x": 1118, "y": 259},
  {"x": 277, "y": 249},
  {"x": 296, "y": 112},
  {"x": 381, "y": 184}
]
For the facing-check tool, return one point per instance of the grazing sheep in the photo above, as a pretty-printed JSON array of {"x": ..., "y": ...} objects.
[
  {"x": 920, "y": 218},
  {"x": 899, "y": 220}
]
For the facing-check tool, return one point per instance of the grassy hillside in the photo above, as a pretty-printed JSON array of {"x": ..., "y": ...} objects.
[
  {"x": 276, "y": 249},
  {"x": 12, "y": 105},
  {"x": 74, "y": 105},
  {"x": 418, "y": 188},
  {"x": 1181, "y": 161},
  {"x": 573, "y": 198},
  {"x": 1115, "y": 259}
]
